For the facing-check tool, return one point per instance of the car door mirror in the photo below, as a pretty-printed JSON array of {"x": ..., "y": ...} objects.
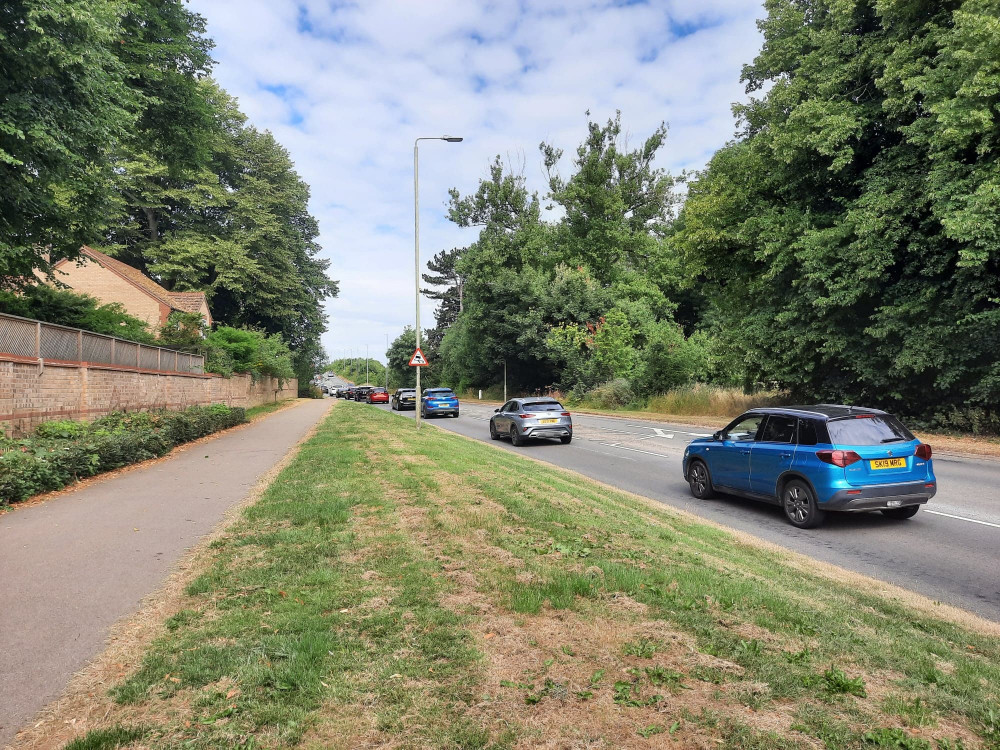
[
  {"x": 717, "y": 435},
  {"x": 496, "y": 411}
]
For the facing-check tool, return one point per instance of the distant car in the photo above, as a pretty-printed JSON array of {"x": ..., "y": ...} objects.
[
  {"x": 350, "y": 392},
  {"x": 342, "y": 392},
  {"x": 324, "y": 388},
  {"x": 404, "y": 398},
  {"x": 815, "y": 459},
  {"x": 378, "y": 396},
  {"x": 522, "y": 419},
  {"x": 361, "y": 392},
  {"x": 437, "y": 401}
]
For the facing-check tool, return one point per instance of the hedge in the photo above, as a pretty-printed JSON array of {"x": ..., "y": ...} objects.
[{"x": 63, "y": 452}]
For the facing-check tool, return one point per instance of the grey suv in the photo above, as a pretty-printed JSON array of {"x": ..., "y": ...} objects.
[{"x": 524, "y": 418}]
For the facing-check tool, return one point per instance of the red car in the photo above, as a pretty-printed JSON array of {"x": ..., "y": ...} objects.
[{"x": 378, "y": 396}]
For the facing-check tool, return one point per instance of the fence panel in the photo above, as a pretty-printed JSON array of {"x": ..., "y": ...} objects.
[
  {"x": 18, "y": 337},
  {"x": 59, "y": 343},
  {"x": 96, "y": 348},
  {"x": 149, "y": 357}
]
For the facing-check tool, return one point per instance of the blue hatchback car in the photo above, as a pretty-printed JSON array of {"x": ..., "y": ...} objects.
[
  {"x": 438, "y": 401},
  {"x": 815, "y": 459}
]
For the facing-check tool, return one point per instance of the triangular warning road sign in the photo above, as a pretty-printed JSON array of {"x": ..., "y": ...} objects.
[{"x": 418, "y": 359}]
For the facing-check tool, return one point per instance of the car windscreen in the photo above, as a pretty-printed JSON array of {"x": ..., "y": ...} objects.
[
  {"x": 543, "y": 406},
  {"x": 877, "y": 429}
]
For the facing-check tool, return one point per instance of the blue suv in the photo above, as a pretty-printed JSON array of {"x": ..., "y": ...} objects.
[
  {"x": 814, "y": 459},
  {"x": 438, "y": 401}
]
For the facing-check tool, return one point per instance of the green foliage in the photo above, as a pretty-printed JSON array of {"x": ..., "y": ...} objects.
[
  {"x": 63, "y": 452},
  {"x": 68, "y": 308},
  {"x": 64, "y": 108},
  {"x": 228, "y": 350},
  {"x": 184, "y": 331},
  {"x": 836, "y": 681},
  {"x": 113, "y": 134},
  {"x": 571, "y": 303},
  {"x": 849, "y": 235}
]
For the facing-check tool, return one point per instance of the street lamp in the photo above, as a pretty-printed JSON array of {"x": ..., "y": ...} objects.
[{"x": 416, "y": 238}]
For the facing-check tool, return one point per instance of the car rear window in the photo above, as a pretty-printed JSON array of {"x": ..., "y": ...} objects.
[
  {"x": 874, "y": 430},
  {"x": 543, "y": 406},
  {"x": 441, "y": 394}
]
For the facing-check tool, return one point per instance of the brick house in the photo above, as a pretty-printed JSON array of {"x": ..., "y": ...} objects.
[{"x": 110, "y": 280}]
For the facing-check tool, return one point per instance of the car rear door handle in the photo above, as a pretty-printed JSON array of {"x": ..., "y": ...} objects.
[
  {"x": 786, "y": 455},
  {"x": 745, "y": 453}
]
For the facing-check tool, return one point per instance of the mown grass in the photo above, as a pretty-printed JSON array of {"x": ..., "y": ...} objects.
[
  {"x": 324, "y": 619},
  {"x": 266, "y": 408}
]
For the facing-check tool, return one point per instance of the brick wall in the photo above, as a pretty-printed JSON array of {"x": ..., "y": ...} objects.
[{"x": 30, "y": 395}]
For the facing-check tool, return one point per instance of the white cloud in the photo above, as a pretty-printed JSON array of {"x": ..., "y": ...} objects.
[{"x": 347, "y": 86}]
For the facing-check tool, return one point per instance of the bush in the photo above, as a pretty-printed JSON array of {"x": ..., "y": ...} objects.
[
  {"x": 611, "y": 395},
  {"x": 63, "y": 452}
]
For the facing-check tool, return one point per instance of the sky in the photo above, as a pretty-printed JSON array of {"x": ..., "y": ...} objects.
[{"x": 346, "y": 87}]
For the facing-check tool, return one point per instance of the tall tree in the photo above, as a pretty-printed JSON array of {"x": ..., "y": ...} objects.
[
  {"x": 64, "y": 108},
  {"x": 850, "y": 233},
  {"x": 446, "y": 286}
]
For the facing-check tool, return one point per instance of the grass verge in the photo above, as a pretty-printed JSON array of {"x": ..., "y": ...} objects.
[
  {"x": 267, "y": 408},
  {"x": 405, "y": 590}
]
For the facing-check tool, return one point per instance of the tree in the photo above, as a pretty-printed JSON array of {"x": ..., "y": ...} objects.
[
  {"x": 849, "y": 234},
  {"x": 446, "y": 275},
  {"x": 64, "y": 109}
]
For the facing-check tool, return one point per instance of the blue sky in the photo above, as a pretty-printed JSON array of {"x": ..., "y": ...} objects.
[{"x": 347, "y": 86}]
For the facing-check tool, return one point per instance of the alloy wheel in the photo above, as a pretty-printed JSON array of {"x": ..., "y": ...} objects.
[{"x": 796, "y": 504}]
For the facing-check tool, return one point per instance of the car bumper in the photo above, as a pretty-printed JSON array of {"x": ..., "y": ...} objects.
[
  {"x": 406, "y": 405},
  {"x": 549, "y": 431},
  {"x": 440, "y": 410},
  {"x": 881, "y": 497}
]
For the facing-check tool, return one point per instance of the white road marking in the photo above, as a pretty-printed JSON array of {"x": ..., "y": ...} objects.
[
  {"x": 962, "y": 518},
  {"x": 636, "y": 450},
  {"x": 662, "y": 433},
  {"x": 603, "y": 453}
]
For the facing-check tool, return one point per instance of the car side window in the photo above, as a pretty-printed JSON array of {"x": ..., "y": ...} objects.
[
  {"x": 807, "y": 432},
  {"x": 745, "y": 430},
  {"x": 513, "y": 406},
  {"x": 779, "y": 429}
]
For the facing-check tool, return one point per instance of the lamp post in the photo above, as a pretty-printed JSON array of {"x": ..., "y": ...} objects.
[
  {"x": 416, "y": 239},
  {"x": 387, "y": 362}
]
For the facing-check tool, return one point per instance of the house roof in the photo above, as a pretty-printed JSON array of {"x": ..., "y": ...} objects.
[
  {"x": 188, "y": 301},
  {"x": 181, "y": 301}
]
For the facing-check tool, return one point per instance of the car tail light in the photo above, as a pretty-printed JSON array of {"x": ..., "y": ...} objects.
[
  {"x": 526, "y": 416},
  {"x": 838, "y": 458},
  {"x": 564, "y": 414},
  {"x": 924, "y": 451}
]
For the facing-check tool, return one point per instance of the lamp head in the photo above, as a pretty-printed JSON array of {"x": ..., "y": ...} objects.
[{"x": 452, "y": 138}]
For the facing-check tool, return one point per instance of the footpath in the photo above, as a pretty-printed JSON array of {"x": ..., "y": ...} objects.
[{"x": 72, "y": 567}]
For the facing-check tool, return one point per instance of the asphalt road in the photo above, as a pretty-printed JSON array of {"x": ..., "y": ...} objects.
[{"x": 950, "y": 551}]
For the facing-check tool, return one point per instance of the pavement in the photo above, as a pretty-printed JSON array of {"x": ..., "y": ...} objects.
[
  {"x": 73, "y": 566},
  {"x": 949, "y": 551}
]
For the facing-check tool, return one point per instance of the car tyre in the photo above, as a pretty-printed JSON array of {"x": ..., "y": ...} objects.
[
  {"x": 799, "y": 504},
  {"x": 907, "y": 511},
  {"x": 700, "y": 480},
  {"x": 515, "y": 437},
  {"x": 566, "y": 439},
  {"x": 455, "y": 415},
  {"x": 494, "y": 435}
]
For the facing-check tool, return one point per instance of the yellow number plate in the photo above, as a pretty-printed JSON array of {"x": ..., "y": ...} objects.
[
  {"x": 547, "y": 421},
  {"x": 888, "y": 463}
]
